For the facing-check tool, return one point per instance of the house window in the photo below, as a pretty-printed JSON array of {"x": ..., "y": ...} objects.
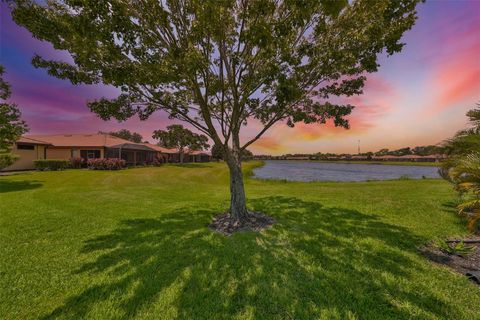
[
  {"x": 90, "y": 154},
  {"x": 25, "y": 147}
]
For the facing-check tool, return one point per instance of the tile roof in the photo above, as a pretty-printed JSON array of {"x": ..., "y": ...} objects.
[
  {"x": 80, "y": 140},
  {"x": 197, "y": 152},
  {"x": 32, "y": 141},
  {"x": 160, "y": 149},
  {"x": 91, "y": 140}
]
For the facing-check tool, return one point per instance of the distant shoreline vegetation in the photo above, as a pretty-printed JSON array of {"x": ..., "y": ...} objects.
[
  {"x": 385, "y": 163},
  {"x": 424, "y": 155}
]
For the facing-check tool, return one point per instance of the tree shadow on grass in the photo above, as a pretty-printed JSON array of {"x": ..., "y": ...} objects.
[
  {"x": 315, "y": 262},
  {"x": 18, "y": 185}
]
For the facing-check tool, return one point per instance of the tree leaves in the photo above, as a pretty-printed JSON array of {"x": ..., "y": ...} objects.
[
  {"x": 127, "y": 135},
  {"x": 462, "y": 168},
  {"x": 178, "y": 137},
  {"x": 5, "y": 91},
  {"x": 11, "y": 124},
  {"x": 215, "y": 64}
]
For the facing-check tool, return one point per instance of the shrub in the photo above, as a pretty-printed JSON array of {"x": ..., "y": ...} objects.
[
  {"x": 459, "y": 248},
  {"x": 76, "y": 163},
  {"x": 51, "y": 164},
  {"x": 157, "y": 161},
  {"x": 105, "y": 164},
  {"x": 7, "y": 159}
]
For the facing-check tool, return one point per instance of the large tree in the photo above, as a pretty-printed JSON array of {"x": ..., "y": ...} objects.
[
  {"x": 178, "y": 137},
  {"x": 11, "y": 124},
  {"x": 221, "y": 64},
  {"x": 127, "y": 135}
]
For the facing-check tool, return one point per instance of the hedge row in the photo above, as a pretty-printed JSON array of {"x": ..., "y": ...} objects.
[
  {"x": 77, "y": 163},
  {"x": 51, "y": 164}
]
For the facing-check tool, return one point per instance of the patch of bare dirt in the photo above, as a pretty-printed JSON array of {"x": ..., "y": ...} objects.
[
  {"x": 255, "y": 221},
  {"x": 468, "y": 265}
]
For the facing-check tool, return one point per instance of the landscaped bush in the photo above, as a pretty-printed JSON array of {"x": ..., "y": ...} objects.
[
  {"x": 7, "y": 159},
  {"x": 105, "y": 164},
  {"x": 51, "y": 164},
  {"x": 76, "y": 163},
  {"x": 157, "y": 161}
]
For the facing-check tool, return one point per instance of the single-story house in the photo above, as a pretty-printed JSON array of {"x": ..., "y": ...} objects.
[
  {"x": 167, "y": 155},
  {"x": 173, "y": 155},
  {"x": 411, "y": 157},
  {"x": 28, "y": 150},
  {"x": 197, "y": 156},
  {"x": 358, "y": 158},
  {"x": 385, "y": 158},
  {"x": 93, "y": 146},
  {"x": 85, "y": 146}
]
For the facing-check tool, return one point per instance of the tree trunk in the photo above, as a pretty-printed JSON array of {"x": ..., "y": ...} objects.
[
  {"x": 238, "y": 205},
  {"x": 181, "y": 155}
]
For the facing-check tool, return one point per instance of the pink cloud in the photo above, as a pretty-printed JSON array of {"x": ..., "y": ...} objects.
[{"x": 457, "y": 79}]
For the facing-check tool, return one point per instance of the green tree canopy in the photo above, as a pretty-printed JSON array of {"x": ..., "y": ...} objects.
[
  {"x": 11, "y": 124},
  {"x": 401, "y": 152},
  {"x": 178, "y": 137},
  {"x": 217, "y": 152},
  {"x": 127, "y": 135},
  {"x": 428, "y": 150},
  {"x": 220, "y": 64}
]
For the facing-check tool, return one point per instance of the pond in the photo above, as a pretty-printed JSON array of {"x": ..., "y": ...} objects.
[{"x": 322, "y": 171}]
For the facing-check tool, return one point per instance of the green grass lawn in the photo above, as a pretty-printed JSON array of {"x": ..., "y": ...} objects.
[{"x": 133, "y": 244}]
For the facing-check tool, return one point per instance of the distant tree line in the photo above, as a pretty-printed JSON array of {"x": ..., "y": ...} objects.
[
  {"x": 125, "y": 134},
  {"x": 419, "y": 150}
]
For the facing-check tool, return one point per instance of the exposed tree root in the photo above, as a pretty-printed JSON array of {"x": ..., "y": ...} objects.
[{"x": 254, "y": 221}]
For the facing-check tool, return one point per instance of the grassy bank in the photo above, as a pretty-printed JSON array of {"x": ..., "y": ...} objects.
[{"x": 133, "y": 244}]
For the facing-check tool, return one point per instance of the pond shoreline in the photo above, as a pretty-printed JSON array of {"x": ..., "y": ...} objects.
[
  {"x": 368, "y": 162},
  {"x": 383, "y": 163},
  {"x": 319, "y": 171}
]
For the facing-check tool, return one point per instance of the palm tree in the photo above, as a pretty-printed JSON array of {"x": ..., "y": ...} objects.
[
  {"x": 465, "y": 176},
  {"x": 468, "y": 140},
  {"x": 462, "y": 168}
]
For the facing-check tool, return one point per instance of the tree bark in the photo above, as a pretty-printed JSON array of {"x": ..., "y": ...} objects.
[
  {"x": 180, "y": 155},
  {"x": 238, "y": 205}
]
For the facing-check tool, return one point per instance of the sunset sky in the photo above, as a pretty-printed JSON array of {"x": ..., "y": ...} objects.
[{"x": 418, "y": 97}]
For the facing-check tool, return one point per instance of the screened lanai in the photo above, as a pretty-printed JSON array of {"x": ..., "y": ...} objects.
[{"x": 133, "y": 154}]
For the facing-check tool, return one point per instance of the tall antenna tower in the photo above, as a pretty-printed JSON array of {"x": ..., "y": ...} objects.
[{"x": 358, "y": 146}]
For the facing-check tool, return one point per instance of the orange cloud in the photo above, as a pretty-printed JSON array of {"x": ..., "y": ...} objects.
[
  {"x": 267, "y": 143},
  {"x": 458, "y": 79},
  {"x": 375, "y": 103}
]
